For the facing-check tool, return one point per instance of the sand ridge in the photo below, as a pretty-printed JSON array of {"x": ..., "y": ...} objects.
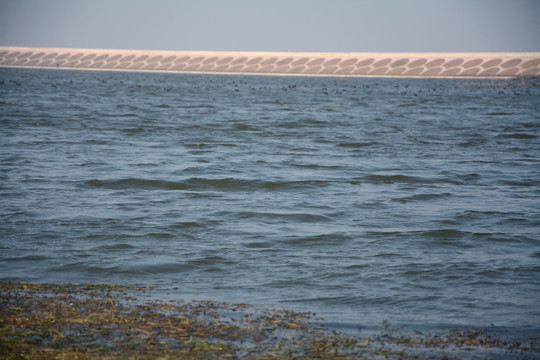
[{"x": 487, "y": 65}]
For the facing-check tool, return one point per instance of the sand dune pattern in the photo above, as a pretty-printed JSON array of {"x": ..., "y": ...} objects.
[{"x": 329, "y": 64}]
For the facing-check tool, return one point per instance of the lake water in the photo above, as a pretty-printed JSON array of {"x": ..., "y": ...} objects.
[{"x": 410, "y": 200}]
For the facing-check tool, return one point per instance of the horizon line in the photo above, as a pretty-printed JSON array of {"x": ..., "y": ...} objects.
[{"x": 57, "y": 48}]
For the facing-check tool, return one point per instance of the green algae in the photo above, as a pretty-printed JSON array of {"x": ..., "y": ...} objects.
[{"x": 94, "y": 321}]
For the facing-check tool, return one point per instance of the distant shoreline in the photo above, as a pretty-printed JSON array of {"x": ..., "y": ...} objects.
[{"x": 407, "y": 65}]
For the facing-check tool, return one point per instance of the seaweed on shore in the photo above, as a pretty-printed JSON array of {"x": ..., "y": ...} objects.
[{"x": 56, "y": 321}]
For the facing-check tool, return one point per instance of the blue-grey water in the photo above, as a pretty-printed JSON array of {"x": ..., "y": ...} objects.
[{"x": 408, "y": 200}]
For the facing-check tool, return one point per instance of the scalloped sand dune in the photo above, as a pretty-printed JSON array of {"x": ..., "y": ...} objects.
[{"x": 487, "y": 65}]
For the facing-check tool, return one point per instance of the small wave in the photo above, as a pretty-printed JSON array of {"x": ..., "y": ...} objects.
[
  {"x": 499, "y": 113},
  {"x": 315, "y": 122},
  {"x": 356, "y": 267},
  {"x": 383, "y": 233},
  {"x": 285, "y": 185},
  {"x": 197, "y": 145},
  {"x": 347, "y": 300},
  {"x": 472, "y": 142},
  {"x": 446, "y": 238},
  {"x": 259, "y": 245},
  {"x": 12, "y": 214},
  {"x": 490, "y": 273},
  {"x": 288, "y": 125},
  {"x": 444, "y": 233},
  {"x": 210, "y": 260},
  {"x": 326, "y": 239},
  {"x": 298, "y": 217},
  {"x": 477, "y": 214},
  {"x": 525, "y": 182},
  {"x": 196, "y": 106},
  {"x": 245, "y": 127},
  {"x": 502, "y": 238},
  {"x": 387, "y": 255},
  {"x": 121, "y": 246},
  {"x": 357, "y": 144},
  {"x": 90, "y": 164},
  {"x": 79, "y": 266},
  {"x": 143, "y": 184},
  {"x": 315, "y": 166},
  {"x": 432, "y": 237},
  {"x": 223, "y": 184},
  {"x": 469, "y": 177},
  {"x": 423, "y": 197},
  {"x": 162, "y": 235},
  {"x": 97, "y": 141},
  {"x": 246, "y": 184},
  {"x": 323, "y": 299},
  {"x": 227, "y": 144},
  {"x": 390, "y": 179},
  {"x": 117, "y": 115},
  {"x": 187, "y": 224},
  {"x": 516, "y": 136},
  {"x": 161, "y": 268},
  {"x": 133, "y": 131},
  {"x": 27, "y": 258}
]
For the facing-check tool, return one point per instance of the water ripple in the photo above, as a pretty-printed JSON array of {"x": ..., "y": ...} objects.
[{"x": 366, "y": 199}]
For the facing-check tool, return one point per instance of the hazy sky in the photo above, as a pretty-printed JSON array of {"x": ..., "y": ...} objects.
[{"x": 275, "y": 25}]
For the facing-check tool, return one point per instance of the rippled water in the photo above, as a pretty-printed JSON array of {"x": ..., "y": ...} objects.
[{"x": 413, "y": 200}]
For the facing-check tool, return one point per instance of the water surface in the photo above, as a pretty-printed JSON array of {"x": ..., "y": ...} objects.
[{"x": 409, "y": 200}]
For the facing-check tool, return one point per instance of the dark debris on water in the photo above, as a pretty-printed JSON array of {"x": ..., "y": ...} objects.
[{"x": 94, "y": 321}]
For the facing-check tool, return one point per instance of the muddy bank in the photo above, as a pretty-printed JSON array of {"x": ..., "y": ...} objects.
[{"x": 42, "y": 321}]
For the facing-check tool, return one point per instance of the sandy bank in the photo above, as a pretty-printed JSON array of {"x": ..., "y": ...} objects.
[{"x": 464, "y": 65}]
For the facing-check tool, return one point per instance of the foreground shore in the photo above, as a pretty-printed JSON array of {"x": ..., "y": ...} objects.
[{"x": 50, "y": 321}]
